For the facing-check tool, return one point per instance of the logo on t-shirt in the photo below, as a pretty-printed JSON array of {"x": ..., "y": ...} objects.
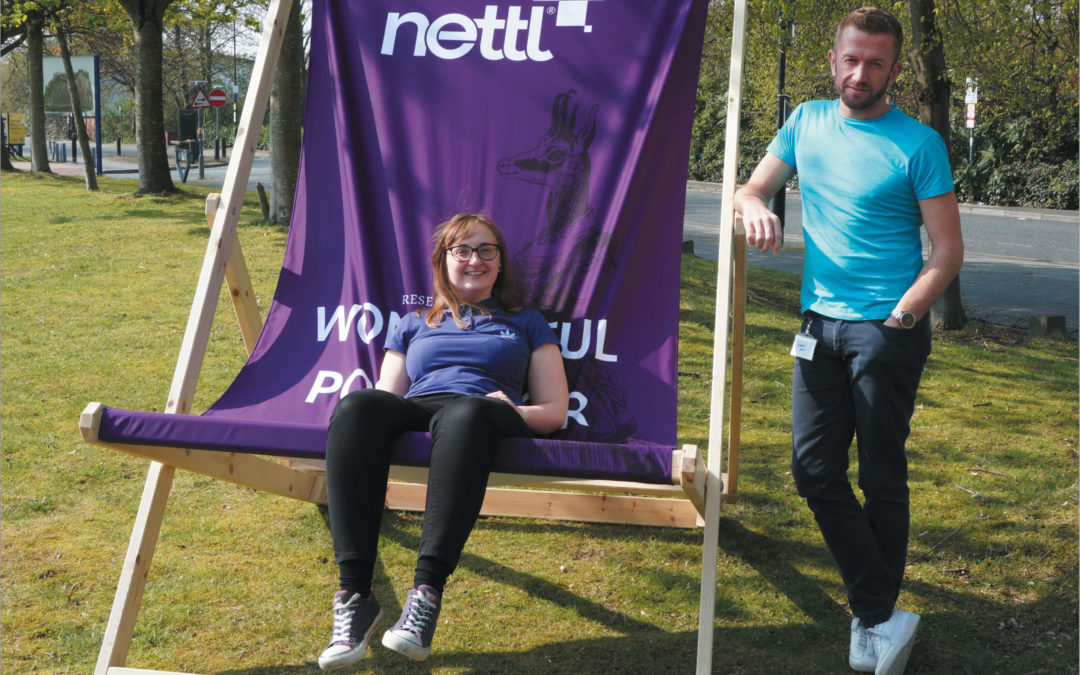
[{"x": 507, "y": 334}]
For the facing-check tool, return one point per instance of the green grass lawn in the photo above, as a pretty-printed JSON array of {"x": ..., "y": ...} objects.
[{"x": 95, "y": 290}]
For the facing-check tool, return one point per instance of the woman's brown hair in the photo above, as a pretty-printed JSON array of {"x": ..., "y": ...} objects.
[{"x": 446, "y": 297}]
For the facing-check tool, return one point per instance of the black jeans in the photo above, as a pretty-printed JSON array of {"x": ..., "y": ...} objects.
[
  {"x": 861, "y": 382},
  {"x": 465, "y": 430}
]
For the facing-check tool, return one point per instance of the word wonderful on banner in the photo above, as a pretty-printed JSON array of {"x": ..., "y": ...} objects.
[{"x": 578, "y": 338}]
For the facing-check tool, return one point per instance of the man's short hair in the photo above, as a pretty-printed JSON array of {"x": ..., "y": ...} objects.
[{"x": 874, "y": 21}]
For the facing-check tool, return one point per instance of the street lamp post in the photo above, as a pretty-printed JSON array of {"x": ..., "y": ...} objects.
[{"x": 971, "y": 97}]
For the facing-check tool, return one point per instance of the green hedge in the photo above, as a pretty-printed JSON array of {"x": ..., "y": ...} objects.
[{"x": 1028, "y": 184}]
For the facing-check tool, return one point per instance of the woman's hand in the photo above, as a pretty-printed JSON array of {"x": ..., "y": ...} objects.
[{"x": 501, "y": 395}]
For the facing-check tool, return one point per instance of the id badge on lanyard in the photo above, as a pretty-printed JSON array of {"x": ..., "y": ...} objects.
[{"x": 805, "y": 343}]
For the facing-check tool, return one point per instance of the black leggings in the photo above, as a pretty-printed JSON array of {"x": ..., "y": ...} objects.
[{"x": 465, "y": 430}]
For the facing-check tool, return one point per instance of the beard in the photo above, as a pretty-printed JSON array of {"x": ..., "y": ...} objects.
[{"x": 861, "y": 104}]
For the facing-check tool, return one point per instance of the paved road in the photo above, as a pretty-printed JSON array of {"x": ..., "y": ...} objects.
[
  {"x": 1018, "y": 262},
  {"x": 125, "y": 165}
]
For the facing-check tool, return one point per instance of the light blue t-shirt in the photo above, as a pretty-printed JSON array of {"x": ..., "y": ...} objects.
[
  {"x": 491, "y": 353},
  {"x": 861, "y": 181}
]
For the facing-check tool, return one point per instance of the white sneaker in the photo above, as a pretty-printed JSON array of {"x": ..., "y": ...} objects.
[
  {"x": 892, "y": 642},
  {"x": 861, "y": 655},
  {"x": 355, "y": 621},
  {"x": 412, "y": 634}
]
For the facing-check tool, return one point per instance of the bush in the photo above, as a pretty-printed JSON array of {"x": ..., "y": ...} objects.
[{"x": 1030, "y": 184}]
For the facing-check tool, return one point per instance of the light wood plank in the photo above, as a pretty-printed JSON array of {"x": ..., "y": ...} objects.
[
  {"x": 413, "y": 474},
  {"x": 713, "y": 488},
  {"x": 136, "y": 569},
  {"x": 416, "y": 474},
  {"x": 738, "y": 337},
  {"x": 693, "y": 481},
  {"x": 581, "y": 507}
]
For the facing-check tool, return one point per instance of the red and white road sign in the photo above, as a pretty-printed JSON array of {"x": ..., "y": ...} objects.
[
  {"x": 217, "y": 97},
  {"x": 199, "y": 100}
]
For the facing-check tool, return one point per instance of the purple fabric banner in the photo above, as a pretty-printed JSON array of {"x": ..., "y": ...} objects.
[{"x": 567, "y": 121}]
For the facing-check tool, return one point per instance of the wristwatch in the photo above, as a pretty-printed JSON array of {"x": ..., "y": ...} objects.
[{"x": 904, "y": 317}]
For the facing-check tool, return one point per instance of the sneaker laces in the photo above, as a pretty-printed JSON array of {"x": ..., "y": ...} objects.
[
  {"x": 343, "y": 619},
  {"x": 876, "y": 642},
  {"x": 421, "y": 611},
  {"x": 861, "y": 635},
  {"x": 862, "y": 639}
]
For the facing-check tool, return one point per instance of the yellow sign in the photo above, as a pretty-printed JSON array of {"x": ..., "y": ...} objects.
[{"x": 15, "y": 128}]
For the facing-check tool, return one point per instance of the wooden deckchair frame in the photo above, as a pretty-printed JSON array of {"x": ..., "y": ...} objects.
[{"x": 699, "y": 489}]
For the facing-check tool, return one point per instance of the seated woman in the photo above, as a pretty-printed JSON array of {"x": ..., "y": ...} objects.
[{"x": 460, "y": 372}]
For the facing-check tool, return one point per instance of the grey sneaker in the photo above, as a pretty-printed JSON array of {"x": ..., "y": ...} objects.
[
  {"x": 355, "y": 620},
  {"x": 892, "y": 641},
  {"x": 861, "y": 655},
  {"x": 412, "y": 633}
]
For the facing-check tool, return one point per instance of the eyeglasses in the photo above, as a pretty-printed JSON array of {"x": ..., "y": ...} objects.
[{"x": 464, "y": 252}]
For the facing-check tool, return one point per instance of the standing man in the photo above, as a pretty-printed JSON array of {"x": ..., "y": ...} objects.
[{"x": 869, "y": 176}]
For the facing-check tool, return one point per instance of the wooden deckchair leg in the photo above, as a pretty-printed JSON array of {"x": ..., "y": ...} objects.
[
  {"x": 714, "y": 487},
  {"x": 129, "y": 591}
]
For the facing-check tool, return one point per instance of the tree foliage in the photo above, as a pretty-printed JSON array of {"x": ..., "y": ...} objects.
[
  {"x": 1023, "y": 54},
  {"x": 199, "y": 37}
]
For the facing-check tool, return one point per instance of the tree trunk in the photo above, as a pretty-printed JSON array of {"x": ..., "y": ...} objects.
[
  {"x": 5, "y": 159},
  {"x": 77, "y": 111},
  {"x": 155, "y": 175},
  {"x": 286, "y": 120},
  {"x": 39, "y": 151},
  {"x": 927, "y": 56}
]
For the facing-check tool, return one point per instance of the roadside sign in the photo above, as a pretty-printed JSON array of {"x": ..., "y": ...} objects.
[
  {"x": 199, "y": 100},
  {"x": 15, "y": 125},
  {"x": 217, "y": 97}
]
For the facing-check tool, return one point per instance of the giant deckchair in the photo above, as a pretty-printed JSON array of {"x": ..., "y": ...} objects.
[{"x": 583, "y": 163}]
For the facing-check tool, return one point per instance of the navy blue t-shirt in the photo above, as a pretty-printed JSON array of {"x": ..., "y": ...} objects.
[{"x": 491, "y": 353}]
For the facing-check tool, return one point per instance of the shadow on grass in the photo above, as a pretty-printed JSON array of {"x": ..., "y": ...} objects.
[
  {"x": 968, "y": 632},
  {"x": 771, "y": 557},
  {"x": 536, "y": 587}
]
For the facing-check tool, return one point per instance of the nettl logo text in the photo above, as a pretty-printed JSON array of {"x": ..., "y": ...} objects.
[{"x": 513, "y": 34}]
